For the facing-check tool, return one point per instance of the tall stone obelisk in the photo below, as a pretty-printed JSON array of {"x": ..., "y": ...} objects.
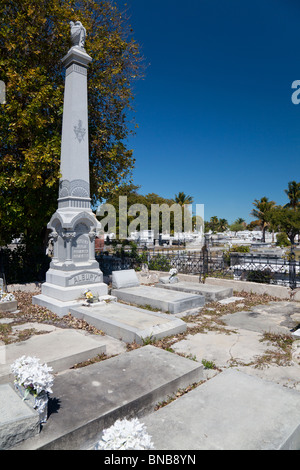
[{"x": 74, "y": 227}]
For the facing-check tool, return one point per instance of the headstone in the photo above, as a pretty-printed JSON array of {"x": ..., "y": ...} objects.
[
  {"x": 125, "y": 278},
  {"x": 73, "y": 226}
]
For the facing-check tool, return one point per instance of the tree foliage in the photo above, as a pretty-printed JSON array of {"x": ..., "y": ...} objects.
[
  {"x": 183, "y": 199},
  {"x": 287, "y": 220},
  {"x": 34, "y": 37},
  {"x": 134, "y": 198},
  {"x": 262, "y": 212},
  {"x": 284, "y": 219},
  {"x": 293, "y": 193}
]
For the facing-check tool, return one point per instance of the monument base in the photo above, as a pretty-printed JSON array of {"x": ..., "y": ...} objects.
[
  {"x": 55, "y": 306},
  {"x": 65, "y": 289},
  {"x": 59, "y": 300}
]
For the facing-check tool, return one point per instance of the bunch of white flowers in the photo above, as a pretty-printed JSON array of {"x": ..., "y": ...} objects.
[
  {"x": 125, "y": 435},
  {"x": 32, "y": 375},
  {"x": 6, "y": 297},
  {"x": 173, "y": 272}
]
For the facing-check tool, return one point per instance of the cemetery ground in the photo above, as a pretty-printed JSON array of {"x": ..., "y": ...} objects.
[
  {"x": 252, "y": 334},
  {"x": 268, "y": 350}
]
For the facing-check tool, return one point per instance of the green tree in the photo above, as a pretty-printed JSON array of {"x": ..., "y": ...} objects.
[
  {"x": 241, "y": 221},
  {"x": 286, "y": 220},
  {"x": 263, "y": 213},
  {"x": 293, "y": 193},
  {"x": 223, "y": 225},
  {"x": 214, "y": 223},
  {"x": 34, "y": 37},
  {"x": 237, "y": 227},
  {"x": 131, "y": 191},
  {"x": 183, "y": 199}
]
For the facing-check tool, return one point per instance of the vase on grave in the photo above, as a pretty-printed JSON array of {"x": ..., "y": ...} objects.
[{"x": 38, "y": 403}]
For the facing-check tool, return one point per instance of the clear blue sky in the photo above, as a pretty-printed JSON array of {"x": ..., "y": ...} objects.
[{"x": 214, "y": 110}]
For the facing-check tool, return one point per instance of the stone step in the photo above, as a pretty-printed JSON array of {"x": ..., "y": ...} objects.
[
  {"x": 60, "y": 349},
  {"x": 128, "y": 323},
  {"x": 211, "y": 293},
  {"x": 87, "y": 400},
  {"x": 231, "y": 411}
]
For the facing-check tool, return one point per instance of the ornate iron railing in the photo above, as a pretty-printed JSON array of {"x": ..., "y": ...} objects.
[{"x": 239, "y": 266}]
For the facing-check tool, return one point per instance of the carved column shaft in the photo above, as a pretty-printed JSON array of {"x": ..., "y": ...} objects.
[{"x": 75, "y": 182}]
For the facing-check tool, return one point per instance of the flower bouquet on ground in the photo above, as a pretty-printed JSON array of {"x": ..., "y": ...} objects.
[
  {"x": 90, "y": 298},
  {"x": 33, "y": 381},
  {"x": 173, "y": 275},
  {"x": 125, "y": 435},
  {"x": 6, "y": 297}
]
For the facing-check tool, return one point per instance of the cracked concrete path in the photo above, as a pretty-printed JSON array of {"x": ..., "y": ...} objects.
[
  {"x": 243, "y": 345},
  {"x": 276, "y": 317},
  {"x": 222, "y": 349}
]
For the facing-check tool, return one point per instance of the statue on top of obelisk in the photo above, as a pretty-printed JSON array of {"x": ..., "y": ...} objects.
[{"x": 78, "y": 34}]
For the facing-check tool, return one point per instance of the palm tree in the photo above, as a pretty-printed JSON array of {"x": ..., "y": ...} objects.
[
  {"x": 214, "y": 223},
  {"x": 223, "y": 225},
  {"x": 183, "y": 199},
  {"x": 263, "y": 212},
  {"x": 293, "y": 193}
]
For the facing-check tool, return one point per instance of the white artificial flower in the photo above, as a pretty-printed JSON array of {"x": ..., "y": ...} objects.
[
  {"x": 32, "y": 375},
  {"x": 125, "y": 435},
  {"x": 173, "y": 272},
  {"x": 6, "y": 297}
]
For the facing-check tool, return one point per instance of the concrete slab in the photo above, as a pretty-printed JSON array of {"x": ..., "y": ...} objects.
[
  {"x": 223, "y": 350},
  {"x": 130, "y": 324},
  {"x": 92, "y": 398},
  {"x": 232, "y": 411},
  {"x": 10, "y": 306},
  {"x": 170, "y": 301},
  {"x": 231, "y": 300},
  {"x": 166, "y": 280},
  {"x": 60, "y": 349},
  {"x": 211, "y": 293},
  {"x": 17, "y": 420},
  {"x": 276, "y": 317},
  {"x": 256, "y": 321},
  {"x": 56, "y": 306}
]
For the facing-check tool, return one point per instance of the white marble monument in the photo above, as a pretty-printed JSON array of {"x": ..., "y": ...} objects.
[{"x": 73, "y": 268}]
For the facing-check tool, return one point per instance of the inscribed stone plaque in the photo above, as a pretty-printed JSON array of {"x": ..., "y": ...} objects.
[
  {"x": 80, "y": 251},
  {"x": 84, "y": 278}
]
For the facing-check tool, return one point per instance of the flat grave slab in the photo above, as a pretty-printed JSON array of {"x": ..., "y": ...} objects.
[
  {"x": 256, "y": 321},
  {"x": 17, "y": 420},
  {"x": 231, "y": 411},
  {"x": 60, "y": 349},
  {"x": 211, "y": 293},
  {"x": 94, "y": 397},
  {"x": 129, "y": 323},
  {"x": 170, "y": 301}
]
